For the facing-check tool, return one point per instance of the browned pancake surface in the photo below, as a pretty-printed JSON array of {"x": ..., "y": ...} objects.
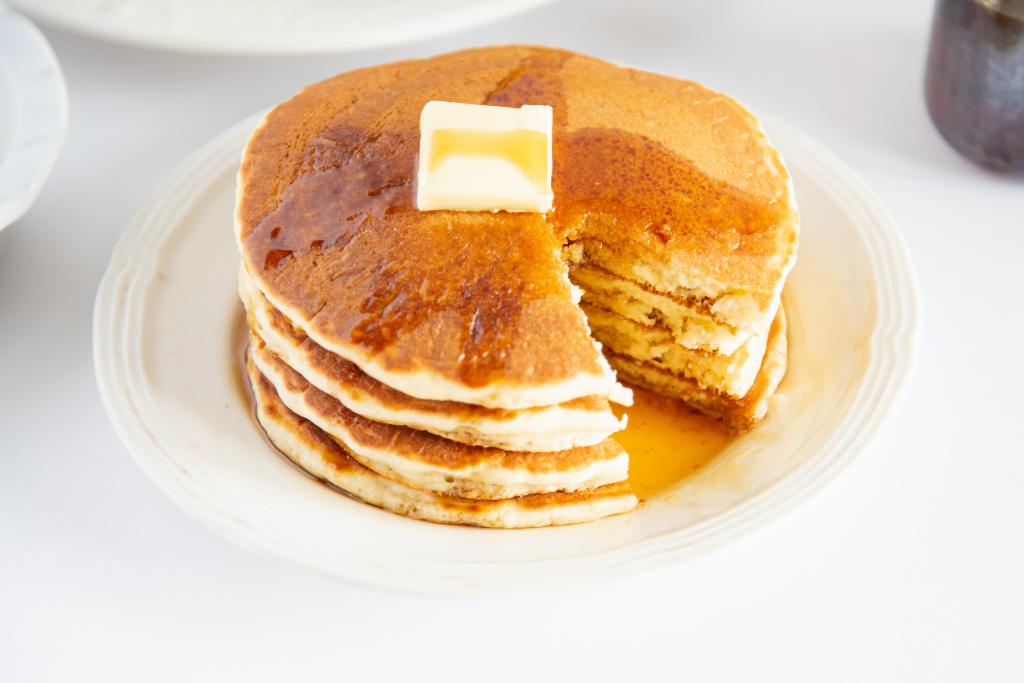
[
  {"x": 337, "y": 458},
  {"x": 348, "y": 374},
  {"x": 429, "y": 448},
  {"x": 645, "y": 165}
]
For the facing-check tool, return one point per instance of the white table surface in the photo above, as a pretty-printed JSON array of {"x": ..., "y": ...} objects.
[{"x": 909, "y": 568}]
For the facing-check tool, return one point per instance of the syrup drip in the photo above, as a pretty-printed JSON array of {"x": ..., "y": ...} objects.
[
  {"x": 470, "y": 293},
  {"x": 667, "y": 442}
]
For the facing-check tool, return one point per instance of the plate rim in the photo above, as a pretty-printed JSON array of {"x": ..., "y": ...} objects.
[
  {"x": 70, "y": 17},
  {"x": 40, "y": 152},
  {"x": 895, "y": 340}
]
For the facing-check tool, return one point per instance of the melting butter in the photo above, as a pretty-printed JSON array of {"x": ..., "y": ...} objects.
[{"x": 476, "y": 157}]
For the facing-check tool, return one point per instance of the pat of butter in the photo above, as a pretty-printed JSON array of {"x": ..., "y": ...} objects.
[{"x": 475, "y": 157}]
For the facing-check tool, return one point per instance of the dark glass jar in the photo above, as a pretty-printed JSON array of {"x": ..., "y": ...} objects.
[{"x": 975, "y": 80}]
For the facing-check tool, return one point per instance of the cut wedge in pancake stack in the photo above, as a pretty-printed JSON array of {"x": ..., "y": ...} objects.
[{"x": 458, "y": 366}]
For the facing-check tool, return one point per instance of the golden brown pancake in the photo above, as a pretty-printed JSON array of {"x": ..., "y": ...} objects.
[
  {"x": 654, "y": 344},
  {"x": 584, "y": 421},
  {"x": 655, "y": 179},
  {"x": 322, "y": 457},
  {"x": 447, "y": 353},
  {"x": 430, "y": 462},
  {"x": 737, "y": 413}
]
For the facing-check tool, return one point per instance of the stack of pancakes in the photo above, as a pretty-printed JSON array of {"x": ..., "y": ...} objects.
[{"x": 446, "y": 365}]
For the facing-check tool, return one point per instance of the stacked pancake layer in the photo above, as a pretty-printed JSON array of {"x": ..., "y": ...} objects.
[
  {"x": 725, "y": 364},
  {"x": 326, "y": 459},
  {"x": 436, "y": 460},
  {"x": 471, "y": 355}
]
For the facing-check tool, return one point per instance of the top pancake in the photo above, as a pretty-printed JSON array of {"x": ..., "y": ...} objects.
[{"x": 652, "y": 174}]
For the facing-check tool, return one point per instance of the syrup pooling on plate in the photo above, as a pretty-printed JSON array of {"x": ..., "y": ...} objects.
[
  {"x": 667, "y": 442},
  {"x": 471, "y": 295}
]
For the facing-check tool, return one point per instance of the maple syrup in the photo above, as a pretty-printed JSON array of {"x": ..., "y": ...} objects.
[{"x": 667, "y": 442}]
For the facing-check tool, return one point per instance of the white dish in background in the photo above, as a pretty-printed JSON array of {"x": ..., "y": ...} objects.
[
  {"x": 33, "y": 114},
  {"x": 166, "y": 355},
  {"x": 269, "y": 26}
]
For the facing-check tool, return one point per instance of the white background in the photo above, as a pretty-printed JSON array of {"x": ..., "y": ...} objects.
[{"x": 911, "y": 567}]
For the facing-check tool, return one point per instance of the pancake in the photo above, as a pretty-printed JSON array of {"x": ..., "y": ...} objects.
[
  {"x": 432, "y": 463},
  {"x": 459, "y": 365},
  {"x": 313, "y": 451},
  {"x": 690, "y": 324},
  {"x": 737, "y": 413},
  {"x": 733, "y": 375},
  {"x": 657, "y": 181},
  {"x": 585, "y": 421}
]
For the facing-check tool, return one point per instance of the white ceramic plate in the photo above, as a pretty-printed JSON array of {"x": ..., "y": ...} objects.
[
  {"x": 167, "y": 365},
  {"x": 33, "y": 114},
  {"x": 269, "y": 26}
]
